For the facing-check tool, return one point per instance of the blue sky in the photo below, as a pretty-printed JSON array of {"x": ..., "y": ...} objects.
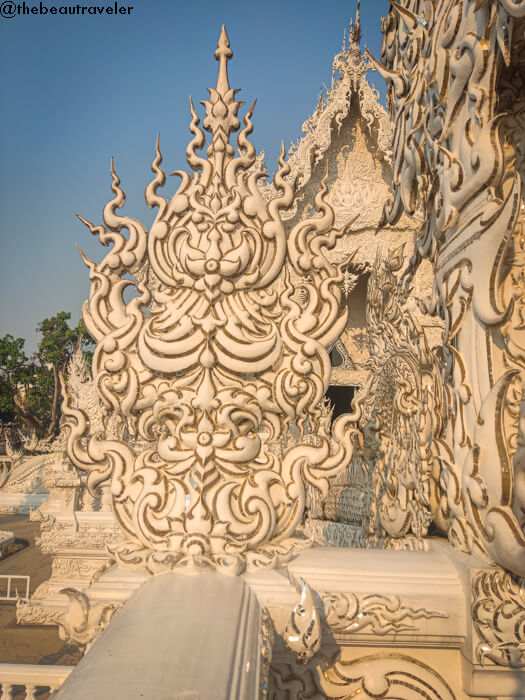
[{"x": 76, "y": 90}]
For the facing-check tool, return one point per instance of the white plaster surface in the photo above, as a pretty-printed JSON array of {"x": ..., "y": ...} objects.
[{"x": 179, "y": 637}]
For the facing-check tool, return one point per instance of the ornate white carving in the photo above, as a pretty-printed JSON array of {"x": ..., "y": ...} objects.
[
  {"x": 267, "y": 640},
  {"x": 333, "y": 109},
  {"x": 57, "y": 534},
  {"x": 70, "y": 567},
  {"x": 381, "y": 675},
  {"x": 33, "y": 613},
  {"x": 46, "y": 472},
  {"x": 83, "y": 622},
  {"x": 406, "y": 402},
  {"x": 27, "y": 476},
  {"x": 382, "y": 614},
  {"x": 347, "y": 614},
  {"x": 303, "y": 631},
  {"x": 456, "y": 162},
  {"x": 498, "y": 615},
  {"x": 213, "y": 355},
  {"x": 83, "y": 393},
  {"x": 395, "y": 464}
]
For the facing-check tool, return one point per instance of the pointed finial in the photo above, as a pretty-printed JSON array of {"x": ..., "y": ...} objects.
[
  {"x": 355, "y": 31},
  {"x": 223, "y": 55},
  {"x": 343, "y": 50}
]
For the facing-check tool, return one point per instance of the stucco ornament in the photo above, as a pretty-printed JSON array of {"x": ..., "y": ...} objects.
[
  {"x": 380, "y": 614},
  {"x": 213, "y": 360},
  {"x": 391, "y": 676},
  {"x": 498, "y": 615},
  {"x": 83, "y": 622},
  {"x": 356, "y": 173},
  {"x": 403, "y": 406},
  {"x": 456, "y": 158},
  {"x": 303, "y": 631}
]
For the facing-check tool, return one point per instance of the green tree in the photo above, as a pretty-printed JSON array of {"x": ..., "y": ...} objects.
[
  {"x": 31, "y": 391},
  {"x": 14, "y": 371}
]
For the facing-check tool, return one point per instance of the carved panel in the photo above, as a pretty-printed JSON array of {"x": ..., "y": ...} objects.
[
  {"x": 498, "y": 615},
  {"x": 387, "y": 676},
  {"x": 69, "y": 567},
  {"x": 350, "y": 90},
  {"x": 403, "y": 406},
  {"x": 379, "y": 614},
  {"x": 57, "y": 535},
  {"x": 449, "y": 66},
  {"x": 212, "y": 361}
]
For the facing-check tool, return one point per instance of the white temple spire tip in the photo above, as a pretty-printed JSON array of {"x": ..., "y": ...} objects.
[
  {"x": 355, "y": 27},
  {"x": 223, "y": 55}
]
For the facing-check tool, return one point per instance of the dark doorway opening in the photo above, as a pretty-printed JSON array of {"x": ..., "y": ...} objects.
[{"x": 341, "y": 398}]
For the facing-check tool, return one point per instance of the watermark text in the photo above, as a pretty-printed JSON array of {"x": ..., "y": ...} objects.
[{"x": 10, "y": 9}]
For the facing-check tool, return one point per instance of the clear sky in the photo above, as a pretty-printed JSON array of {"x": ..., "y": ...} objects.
[{"x": 76, "y": 90}]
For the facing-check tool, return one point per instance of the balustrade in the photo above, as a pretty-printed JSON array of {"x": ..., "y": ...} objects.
[{"x": 30, "y": 681}]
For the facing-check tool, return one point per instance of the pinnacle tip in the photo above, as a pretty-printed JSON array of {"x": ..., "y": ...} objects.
[
  {"x": 223, "y": 55},
  {"x": 223, "y": 43}
]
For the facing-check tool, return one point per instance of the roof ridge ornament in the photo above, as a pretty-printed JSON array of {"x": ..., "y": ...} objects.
[
  {"x": 213, "y": 361},
  {"x": 223, "y": 55},
  {"x": 355, "y": 27}
]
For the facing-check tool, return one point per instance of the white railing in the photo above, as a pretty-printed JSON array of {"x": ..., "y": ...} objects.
[
  {"x": 17, "y": 596},
  {"x": 29, "y": 681}
]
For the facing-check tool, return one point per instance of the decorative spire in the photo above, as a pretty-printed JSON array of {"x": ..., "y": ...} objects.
[
  {"x": 221, "y": 110},
  {"x": 355, "y": 28},
  {"x": 223, "y": 55}
]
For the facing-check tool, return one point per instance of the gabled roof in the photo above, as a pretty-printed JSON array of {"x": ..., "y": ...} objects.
[
  {"x": 349, "y": 86},
  {"x": 348, "y": 135}
]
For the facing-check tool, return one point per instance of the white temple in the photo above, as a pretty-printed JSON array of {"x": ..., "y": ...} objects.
[{"x": 297, "y": 471}]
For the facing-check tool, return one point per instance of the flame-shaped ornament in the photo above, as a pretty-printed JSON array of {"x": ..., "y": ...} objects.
[{"x": 212, "y": 362}]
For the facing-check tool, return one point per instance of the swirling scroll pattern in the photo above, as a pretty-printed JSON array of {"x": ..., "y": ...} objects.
[
  {"x": 213, "y": 359},
  {"x": 456, "y": 151}
]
